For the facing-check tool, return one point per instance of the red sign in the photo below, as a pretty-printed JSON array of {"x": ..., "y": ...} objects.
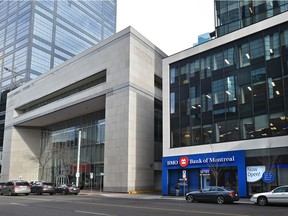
[
  {"x": 184, "y": 161},
  {"x": 83, "y": 168}
]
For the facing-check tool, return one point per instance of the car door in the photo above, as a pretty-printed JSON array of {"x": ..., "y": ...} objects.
[
  {"x": 204, "y": 194},
  {"x": 212, "y": 194},
  {"x": 277, "y": 195},
  {"x": 285, "y": 198},
  {"x": 6, "y": 188}
]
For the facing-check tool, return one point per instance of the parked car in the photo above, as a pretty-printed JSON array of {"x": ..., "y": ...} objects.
[
  {"x": 67, "y": 189},
  {"x": 213, "y": 194},
  {"x": 15, "y": 187},
  {"x": 41, "y": 187},
  {"x": 1, "y": 185},
  {"x": 279, "y": 195}
]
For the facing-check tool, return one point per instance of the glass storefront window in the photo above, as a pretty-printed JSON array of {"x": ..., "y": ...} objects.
[{"x": 60, "y": 143}]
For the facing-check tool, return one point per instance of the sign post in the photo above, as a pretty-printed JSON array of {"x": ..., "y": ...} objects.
[
  {"x": 91, "y": 181},
  {"x": 184, "y": 180}
]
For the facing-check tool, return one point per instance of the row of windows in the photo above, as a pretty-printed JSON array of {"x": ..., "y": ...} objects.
[
  {"x": 231, "y": 103},
  {"x": 79, "y": 86},
  {"x": 267, "y": 45},
  {"x": 233, "y": 15},
  {"x": 231, "y": 130}
]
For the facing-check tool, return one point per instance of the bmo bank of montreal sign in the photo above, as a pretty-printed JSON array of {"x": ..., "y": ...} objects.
[{"x": 254, "y": 173}]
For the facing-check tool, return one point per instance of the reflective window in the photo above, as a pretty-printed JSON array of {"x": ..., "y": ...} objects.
[
  {"x": 258, "y": 75},
  {"x": 275, "y": 88},
  {"x": 272, "y": 46},
  {"x": 256, "y": 48},
  {"x": 218, "y": 89}
]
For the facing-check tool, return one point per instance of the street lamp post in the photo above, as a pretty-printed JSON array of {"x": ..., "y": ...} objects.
[
  {"x": 14, "y": 76},
  {"x": 78, "y": 159}
]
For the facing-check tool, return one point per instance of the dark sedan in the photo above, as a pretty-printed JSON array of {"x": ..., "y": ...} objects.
[
  {"x": 213, "y": 194},
  {"x": 40, "y": 187},
  {"x": 67, "y": 189}
]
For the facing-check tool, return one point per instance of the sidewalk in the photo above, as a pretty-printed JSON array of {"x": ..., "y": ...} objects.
[{"x": 94, "y": 192}]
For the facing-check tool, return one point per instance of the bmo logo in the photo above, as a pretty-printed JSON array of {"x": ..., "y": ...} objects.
[{"x": 184, "y": 161}]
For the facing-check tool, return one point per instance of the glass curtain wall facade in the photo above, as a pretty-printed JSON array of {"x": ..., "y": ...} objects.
[
  {"x": 59, "y": 149},
  {"x": 233, "y": 15},
  {"x": 36, "y": 36},
  {"x": 237, "y": 91}
]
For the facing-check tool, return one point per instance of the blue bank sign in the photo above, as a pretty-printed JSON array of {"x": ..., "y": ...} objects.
[
  {"x": 201, "y": 160},
  {"x": 173, "y": 165}
]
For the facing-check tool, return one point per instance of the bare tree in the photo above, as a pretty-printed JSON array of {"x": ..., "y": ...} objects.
[
  {"x": 41, "y": 159},
  {"x": 269, "y": 160},
  {"x": 64, "y": 158},
  {"x": 214, "y": 167}
]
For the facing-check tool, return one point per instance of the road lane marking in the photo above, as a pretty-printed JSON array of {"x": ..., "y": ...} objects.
[
  {"x": 162, "y": 209},
  {"x": 19, "y": 204},
  {"x": 152, "y": 208},
  {"x": 94, "y": 213}
]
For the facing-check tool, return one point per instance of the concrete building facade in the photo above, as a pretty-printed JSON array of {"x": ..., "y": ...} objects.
[{"x": 114, "y": 79}]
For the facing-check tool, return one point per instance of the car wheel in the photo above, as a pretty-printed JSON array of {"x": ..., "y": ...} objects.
[
  {"x": 220, "y": 200},
  {"x": 262, "y": 201},
  {"x": 190, "y": 198},
  {"x": 27, "y": 194}
]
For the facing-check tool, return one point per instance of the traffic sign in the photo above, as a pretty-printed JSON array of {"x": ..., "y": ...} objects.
[{"x": 183, "y": 174}]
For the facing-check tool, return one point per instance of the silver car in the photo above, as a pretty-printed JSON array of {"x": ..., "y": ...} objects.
[
  {"x": 279, "y": 195},
  {"x": 15, "y": 187}
]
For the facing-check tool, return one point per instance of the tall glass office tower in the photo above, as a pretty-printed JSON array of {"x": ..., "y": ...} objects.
[
  {"x": 232, "y": 15},
  {"x": 38, "y": 35}
]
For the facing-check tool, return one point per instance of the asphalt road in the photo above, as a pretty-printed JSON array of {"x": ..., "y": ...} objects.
[{"x": 84, "y": 205}]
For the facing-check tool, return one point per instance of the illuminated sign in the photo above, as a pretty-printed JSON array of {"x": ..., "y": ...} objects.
[{"x": 185, "y": 161}]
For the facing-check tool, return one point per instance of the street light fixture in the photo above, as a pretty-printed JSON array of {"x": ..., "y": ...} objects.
[{"x": 14, "y": 75}]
